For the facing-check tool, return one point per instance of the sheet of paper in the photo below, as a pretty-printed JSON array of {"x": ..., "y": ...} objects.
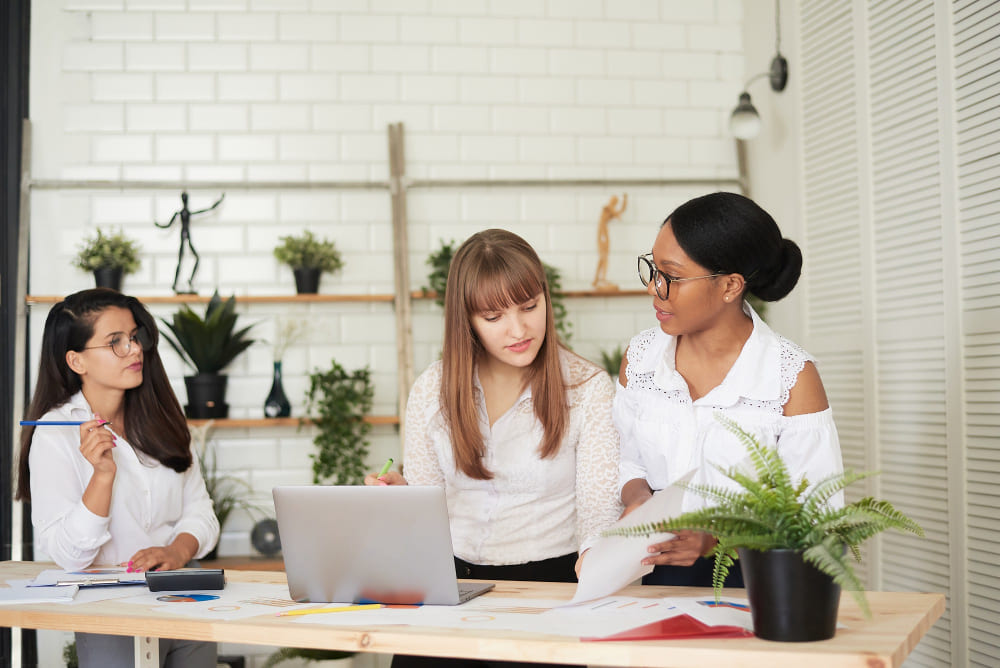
[
  {"x": 20, "y": 592},
  {"x": 237, "y": 601},
  {"x": 727, "y": 612},
  {"x": 616, "y": 561},
  {"x": 602, "y": 617}
]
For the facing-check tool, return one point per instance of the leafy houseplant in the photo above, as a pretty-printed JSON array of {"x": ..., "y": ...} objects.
[
  {"x": 110, "y": 256},
  {"x": 228, "y": 492},
  {"x": 612, "y": 361},
  {"x": 770, "y": 513},
  {"x": 337, "y": 401},
  {"x": 207, "y": 345},
  {"x": 440, "y": 261},
  {"x": 310, "y": 655},
  {"x": 308, "y": 257}
]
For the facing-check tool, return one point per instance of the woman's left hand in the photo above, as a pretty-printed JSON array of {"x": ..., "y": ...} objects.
[
  {"x": 683, "y": 550},
  {"x": 157, "y": 559}
]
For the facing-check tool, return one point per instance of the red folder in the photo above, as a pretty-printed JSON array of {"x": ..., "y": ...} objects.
[{"x": 677, "y": 628}]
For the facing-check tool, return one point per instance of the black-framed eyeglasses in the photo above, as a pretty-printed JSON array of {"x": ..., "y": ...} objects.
[
  {"x": 648, "y": 272},
  {"x": 121, "y": 345}
]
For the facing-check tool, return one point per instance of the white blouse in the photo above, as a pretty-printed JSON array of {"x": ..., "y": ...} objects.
[
  {"x": 664, "y": 434},
  {"x": 150, "y": 503},
  {"x": 533, "y": 508}
]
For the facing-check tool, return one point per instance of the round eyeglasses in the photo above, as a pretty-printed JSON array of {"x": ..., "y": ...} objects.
[
  {"x": 661, "y": 282},
  {"x": 121, "y": 345}
]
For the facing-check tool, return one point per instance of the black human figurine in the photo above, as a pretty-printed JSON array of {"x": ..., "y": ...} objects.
[{"x": 185, "y": 217}]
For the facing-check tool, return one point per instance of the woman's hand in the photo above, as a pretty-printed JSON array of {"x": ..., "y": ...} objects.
[
  {"x": 167, "y": 558},
  {"x": 390, "y": 478},
  {"x": 96, "y": 443},
  {"x": 683, "y": 550}
]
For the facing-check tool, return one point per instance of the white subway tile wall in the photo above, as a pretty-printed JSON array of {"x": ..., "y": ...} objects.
[{"x": 232, "y": 90}]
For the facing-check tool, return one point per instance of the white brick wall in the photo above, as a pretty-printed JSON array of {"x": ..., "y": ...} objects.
[{"x": 297, "y": 90}]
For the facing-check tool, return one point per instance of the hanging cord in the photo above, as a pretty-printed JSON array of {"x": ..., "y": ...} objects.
[{"x": 777, "y": 26}]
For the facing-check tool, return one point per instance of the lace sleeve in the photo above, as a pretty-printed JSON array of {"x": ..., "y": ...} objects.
[
  {"x": 597, "y": 501},
  {"x": 420, "y": 462}
]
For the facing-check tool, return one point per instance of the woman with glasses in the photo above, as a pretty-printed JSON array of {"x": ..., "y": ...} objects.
[
  {"x": 121, "y": 488},
  {"x": 711, "y": 354},
  {"x": 516, "y": 428}
]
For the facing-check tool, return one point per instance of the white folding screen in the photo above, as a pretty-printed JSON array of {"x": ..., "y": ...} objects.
[
  {"x": 901, "y": 202},
  {"x": 976, "y": 30}
]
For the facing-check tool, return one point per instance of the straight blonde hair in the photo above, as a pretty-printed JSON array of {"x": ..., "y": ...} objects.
[{"x": 492, "y": 271}]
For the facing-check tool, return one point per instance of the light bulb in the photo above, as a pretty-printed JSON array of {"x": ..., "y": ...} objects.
[{"x": 744, "y": 123}]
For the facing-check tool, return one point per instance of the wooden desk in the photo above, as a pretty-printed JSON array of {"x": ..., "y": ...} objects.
[{"x": 898, "y": 622}]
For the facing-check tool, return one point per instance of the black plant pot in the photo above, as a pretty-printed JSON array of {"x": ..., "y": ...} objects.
[
  {"x": 206, "y": 394},
  {"x": 790, "y": 600},
  {"x": 306, "y": 280},
  {"x": 108, "y": 277}
]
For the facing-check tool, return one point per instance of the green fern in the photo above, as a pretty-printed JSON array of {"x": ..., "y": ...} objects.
[{"x": 769, "y": 510}]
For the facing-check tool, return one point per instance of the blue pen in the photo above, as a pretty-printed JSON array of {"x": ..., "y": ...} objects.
[{"x": 57, "y": 423}]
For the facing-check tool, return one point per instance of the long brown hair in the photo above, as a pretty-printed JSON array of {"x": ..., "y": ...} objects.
[
  {"x": 154, "y": 420},
  {"x": 494, "y": 270}
]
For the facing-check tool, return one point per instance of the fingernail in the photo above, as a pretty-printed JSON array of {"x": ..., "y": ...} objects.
[{"x": 128, "y": 570}]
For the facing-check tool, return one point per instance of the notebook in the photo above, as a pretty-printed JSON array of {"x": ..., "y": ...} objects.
[{"x": 369, "y": 545}]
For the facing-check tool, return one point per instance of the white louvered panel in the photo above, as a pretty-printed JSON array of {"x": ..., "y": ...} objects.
[
  {"x": 982, "y": 390},
  {"x": 977, "y": 109},
  {"x": 830, "y": 153},
  {"x": 913, "y": 460},
  {"x": 977, "y": 102},
  {"x": 906, "y": 178}
]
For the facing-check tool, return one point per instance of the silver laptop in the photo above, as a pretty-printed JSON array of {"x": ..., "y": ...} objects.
[{"x": 369, "y": 545}]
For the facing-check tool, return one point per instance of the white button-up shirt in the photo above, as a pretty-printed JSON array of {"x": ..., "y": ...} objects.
[
  {"x": 664, "y": 434},
  {"x": 150, "y": 503},
  {"x": 533, "y": 508}
]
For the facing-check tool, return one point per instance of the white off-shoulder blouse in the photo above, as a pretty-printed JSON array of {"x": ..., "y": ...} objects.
[
  {"x": 664, "y": 434},
  {"x": 533, "y": 508}
]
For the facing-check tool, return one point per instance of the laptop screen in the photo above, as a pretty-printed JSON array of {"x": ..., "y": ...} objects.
[{"x": 367, "y": 544}]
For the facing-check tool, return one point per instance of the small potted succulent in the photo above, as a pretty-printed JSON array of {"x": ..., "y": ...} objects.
[
  {"x": 110, "y": 256},
  {"x": 309, "y": 258},
  {"x": 792, "y": 545}
]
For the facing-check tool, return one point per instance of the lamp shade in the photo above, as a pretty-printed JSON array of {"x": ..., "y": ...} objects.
[{"x": 744, "y": 123}]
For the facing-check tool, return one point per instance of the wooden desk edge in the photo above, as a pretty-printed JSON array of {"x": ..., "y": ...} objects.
[{"x": 843, "y": 650}]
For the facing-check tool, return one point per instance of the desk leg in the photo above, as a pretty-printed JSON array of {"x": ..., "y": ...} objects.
[{"x": 147, "y": 652}]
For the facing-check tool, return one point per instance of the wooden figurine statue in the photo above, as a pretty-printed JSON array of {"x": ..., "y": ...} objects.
[
  {"x": 608, "y": 213},
  {"x": 185, "y": 215}
]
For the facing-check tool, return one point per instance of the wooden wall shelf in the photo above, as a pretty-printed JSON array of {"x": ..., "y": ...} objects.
[
  {"x": 248, "y": 299},
  {"x": 324, "y": 298},
  {"x": 255, "y": 423}
]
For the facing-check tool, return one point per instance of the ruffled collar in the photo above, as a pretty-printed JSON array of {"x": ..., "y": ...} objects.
[{"x": 754, "y": 375}]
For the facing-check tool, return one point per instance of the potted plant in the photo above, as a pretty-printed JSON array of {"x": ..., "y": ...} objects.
[
  {"x": 329, "y": 657},
  {"x": 440, "y": 261},
  {"x": 337, "y": 401},
  {"x": 110, "y": 256},
  {"x": 308, "y": 257},
  {"x": 611, "y": 360},
  {"x": 207, "y": 345},
  {"x": 792, "y": 546},
  {"x": 228, "y": 492}
]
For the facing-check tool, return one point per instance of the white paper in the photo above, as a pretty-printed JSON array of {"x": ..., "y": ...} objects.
[
  {"x": 616, "y": 561},
  {"x": 599, "y": 618},
  {"x": 238, "y": 600},
  {"x": 21, "y": 593}
]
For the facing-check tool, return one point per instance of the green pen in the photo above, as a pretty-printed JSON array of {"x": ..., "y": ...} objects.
[{"x": 385, "y": 469}]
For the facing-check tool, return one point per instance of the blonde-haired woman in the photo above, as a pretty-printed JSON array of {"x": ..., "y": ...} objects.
[{"x": 516, "y": 428}]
